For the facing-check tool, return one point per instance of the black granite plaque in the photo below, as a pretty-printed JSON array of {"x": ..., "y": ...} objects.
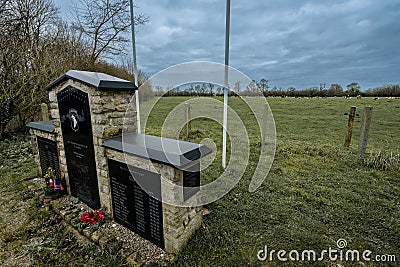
[
  {"x": 77, "y": 133},
  {"x": 132, "y": 206},
  {"x": 48, "y": 154},
  {"x": 191, "y": 181}
]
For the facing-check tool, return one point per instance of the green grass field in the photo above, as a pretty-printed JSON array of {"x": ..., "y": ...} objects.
[{"x": 316, "y": 192}]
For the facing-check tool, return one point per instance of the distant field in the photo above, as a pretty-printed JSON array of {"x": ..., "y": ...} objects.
[
  {"x": 316, "y": 192},
  {"x": 320, "y": 121}
]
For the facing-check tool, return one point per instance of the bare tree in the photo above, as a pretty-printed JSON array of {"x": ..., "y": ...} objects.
[
  {"x": 237, "y": 87},
  {"x": 35, "y": 48},
  {"x": 251, "y": 87},
  {"x": 26, "y": 26},
  {"x": 3, "y": 11},
  {"x": 146, "y": 91},
  {"x": 103, "y": 25},
  {"x": 211, "y": 88},
  {"x": 335, "y": 90},
  {"x": 353, "y": 89},
  {"x": 263, "y": 85},
  {"x": 32, "y": 19}
]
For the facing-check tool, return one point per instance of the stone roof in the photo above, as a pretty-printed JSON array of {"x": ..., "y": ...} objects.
[
  {"x": 169, "y": 151},
  {"x": 45, "y": 126},
  {"x": 97, "y": 80}
]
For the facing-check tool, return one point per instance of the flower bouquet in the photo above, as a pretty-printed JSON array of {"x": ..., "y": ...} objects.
[
  {"x": 53, "y": 186},
  {"x": 92, "y": 219}
]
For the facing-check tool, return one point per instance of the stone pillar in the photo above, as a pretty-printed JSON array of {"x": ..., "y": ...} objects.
[
  {"x": 109, "y": 98},
  {"x": 180, "y": 223}
]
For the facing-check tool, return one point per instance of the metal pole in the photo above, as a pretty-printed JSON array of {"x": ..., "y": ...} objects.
[
  {"x": 135, "y": 70},
  {"x": 225, "y": 121}
]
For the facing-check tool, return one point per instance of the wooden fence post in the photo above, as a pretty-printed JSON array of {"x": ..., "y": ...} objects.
[
  {"x": 264, "y": 126},
  {"x": 188, "y": 123},
  {"x": 366, "y": 122},
  {"x": 44, "y": 111},
  {"x": 350, "y": 127}
]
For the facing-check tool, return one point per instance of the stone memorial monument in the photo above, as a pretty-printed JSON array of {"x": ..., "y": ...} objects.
[{"x": 83, "y": 143}]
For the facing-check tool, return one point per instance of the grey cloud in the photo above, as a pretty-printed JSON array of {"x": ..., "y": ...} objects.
[{"x": 291, "y": 43}]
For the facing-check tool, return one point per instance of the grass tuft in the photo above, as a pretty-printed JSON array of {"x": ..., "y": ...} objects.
[{"x": 380, "y": 161}]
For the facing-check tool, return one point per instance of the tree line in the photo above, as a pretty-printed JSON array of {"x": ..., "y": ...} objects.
[
  {"x": 37, "y": 46},
  {"x": 256, "y": 88},
  {"x": 336, "y": 90}
]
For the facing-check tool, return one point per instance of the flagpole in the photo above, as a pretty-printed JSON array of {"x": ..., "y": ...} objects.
[
  {"x": 226, "y": 85},
  {"x": 135, "y": 70}
]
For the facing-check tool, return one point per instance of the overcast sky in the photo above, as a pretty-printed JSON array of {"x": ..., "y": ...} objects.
[{"x": 289, "y": 42}]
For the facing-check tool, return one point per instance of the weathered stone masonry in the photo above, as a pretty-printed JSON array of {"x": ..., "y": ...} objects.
[
  {"x": 179, "y": 222},
  {"x": 108, "y": 110},
  {"x": 34, "y": 135}
]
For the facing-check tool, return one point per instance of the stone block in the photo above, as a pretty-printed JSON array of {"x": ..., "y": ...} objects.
[
  {"x": 178, "y": 177},
  {"x": 99, "y": 119},
  {"x": 63, "y": 161},
  {"x": 117, "y": 114},
  {"x": 96, "y": 235},
  {"x": 121, "y": 108},
  {"x": 52, "y": 96},
  {"x": 107, "y": 107},
  {"x": 98, "y": 129},
  {"x": 96, "y": 109},
  {"x": 172, "y": 246},
  {"x": 95, "y": 99},
  {"x": 64, "y": 213},
  {"x": 110, "y": 131},
  {"x": 186, "y": 221},
  {"x": 175, "y": 232},
  {"x": 172, "y": 221},
  {"x": 54, "y": 114},
  {"x": 102, "y": 164},
  {"x": 63, "y": 169},
  {"x": 87, "y": 233},
  {"x": 104, "y": 174},
  {"x": 192, "y": 214},
  {"x": 117, "y": 122},
  {"x": 53, "y": 105},
  {"x": 105, "y": 189},
  {"x": 100, "y": 151}
]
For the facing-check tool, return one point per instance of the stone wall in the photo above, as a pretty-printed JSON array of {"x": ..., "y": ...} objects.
[
  {"x": 179, "y": 222},
  {"x": 108, "y": 110}
]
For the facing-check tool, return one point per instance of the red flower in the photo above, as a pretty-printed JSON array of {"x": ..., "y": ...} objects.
[{"x": 92, "y": 217}]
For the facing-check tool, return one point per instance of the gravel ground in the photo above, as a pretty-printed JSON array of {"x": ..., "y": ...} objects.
[{"x": 136, "y": 249}]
